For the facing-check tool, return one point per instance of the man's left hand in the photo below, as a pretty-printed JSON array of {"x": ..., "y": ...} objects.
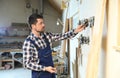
[{"x": 79, "y": 28}]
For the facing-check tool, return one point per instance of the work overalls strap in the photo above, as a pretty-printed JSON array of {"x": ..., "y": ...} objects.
[{"x": 45, "y": 56}]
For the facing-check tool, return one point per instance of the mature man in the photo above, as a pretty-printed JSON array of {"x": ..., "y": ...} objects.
[{"x": 36, "y": 48}]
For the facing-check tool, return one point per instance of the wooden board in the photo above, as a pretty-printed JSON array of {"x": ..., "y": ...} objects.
[
  {"x": 78, "y": 61},
  {"x": 118, "y": 40},
  {"x": 63, "y": 44},
  {"x": 112, "y": 65},
  {"x": 95, "y": 49},
  {"x": 74, "y": 69}
]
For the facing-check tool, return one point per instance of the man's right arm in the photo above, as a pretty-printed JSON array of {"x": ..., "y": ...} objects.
[{"x": 30, "y": 58}]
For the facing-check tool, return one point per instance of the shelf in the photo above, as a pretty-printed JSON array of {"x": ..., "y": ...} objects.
[
  {"x": 11, "y": 50},
  {"x": 58, "y": 63},
  {"x": 7, "y": 60},
  {"x": 13, "y": 37},
  {"x": 54, "y": 53},
  {"x": 10, "y": 57}
]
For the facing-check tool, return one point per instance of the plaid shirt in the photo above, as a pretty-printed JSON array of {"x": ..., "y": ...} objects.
[{"x": 30, "y": 53}]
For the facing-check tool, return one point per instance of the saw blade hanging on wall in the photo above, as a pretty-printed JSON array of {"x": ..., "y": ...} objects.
[{"x": 87, "y": 22}]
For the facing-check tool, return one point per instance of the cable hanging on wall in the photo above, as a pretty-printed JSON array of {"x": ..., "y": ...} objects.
[{"x": 28, "y": 4}]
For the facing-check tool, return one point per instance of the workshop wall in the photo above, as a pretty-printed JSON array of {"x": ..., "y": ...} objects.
[
  {"x": 79, "y": 10},
  {"x": 16, "y": 11}
]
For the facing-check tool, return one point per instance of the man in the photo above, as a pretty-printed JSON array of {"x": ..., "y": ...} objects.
[{"x": 36, "y": 48}]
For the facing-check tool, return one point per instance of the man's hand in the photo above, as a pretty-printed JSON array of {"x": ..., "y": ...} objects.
[
  {"x": 50, "y": 69},
  {"x": 79, "y": 28}
]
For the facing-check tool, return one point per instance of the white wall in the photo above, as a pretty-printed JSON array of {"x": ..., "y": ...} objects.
[
  {"x": 16, "y": 11},
  {"x": 84, "y": 10},
  {"x": 13, "y": 11}
]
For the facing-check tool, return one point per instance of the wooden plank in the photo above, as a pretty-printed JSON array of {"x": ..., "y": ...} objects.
[
  {"x": 71, "y": 23},
  {"x": 2, "y": 68},
  {"x": 55, "y": 5},
  {"x": 63, "y": 44},
  {"x": 112, "y": 65},
  {"x": 93, "y": 57},
  {"x": 68, "y": 50},
  {"x": 74, "y": 69},
  {"x": 7, "y": 60},
  {"x": 118, "y": 39},
  {"x": 11, "y": 50},
  {"x": 77, "y": 57},
  {"x": 78, "y": 60}
]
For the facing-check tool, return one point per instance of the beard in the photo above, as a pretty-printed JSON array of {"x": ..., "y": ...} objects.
[{"x": 40, "y": 31}]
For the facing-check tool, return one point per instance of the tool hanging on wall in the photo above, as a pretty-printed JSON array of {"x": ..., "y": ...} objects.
[
  {"x": 84, "y": 39},
  {"x": 87, "y": 22},
  {"x": 28, "y": 4}
]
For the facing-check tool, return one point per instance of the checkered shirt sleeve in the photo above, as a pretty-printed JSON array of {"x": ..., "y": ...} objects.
[{"x": 30, "y": 53}]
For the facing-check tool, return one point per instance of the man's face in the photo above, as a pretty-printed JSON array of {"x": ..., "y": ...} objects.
[{"x": 39, "y": 26}]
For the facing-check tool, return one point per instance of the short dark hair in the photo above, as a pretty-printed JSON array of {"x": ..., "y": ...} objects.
[{"x": 33, "y": 18}]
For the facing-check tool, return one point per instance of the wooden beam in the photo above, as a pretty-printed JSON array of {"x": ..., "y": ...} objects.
[
  {"x": 95, "y": 49},
  {"x": 118, "y": 39},
  {"x": 112, "y": 65},
  {"x": 64, "y": 42},
  {"x": 78, "y": 61},
  {"x": 55, "y": 6},
  {"x": 74, "y": 69}
]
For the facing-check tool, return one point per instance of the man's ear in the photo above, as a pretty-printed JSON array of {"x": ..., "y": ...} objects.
[{"x": 32, "y": 25}]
